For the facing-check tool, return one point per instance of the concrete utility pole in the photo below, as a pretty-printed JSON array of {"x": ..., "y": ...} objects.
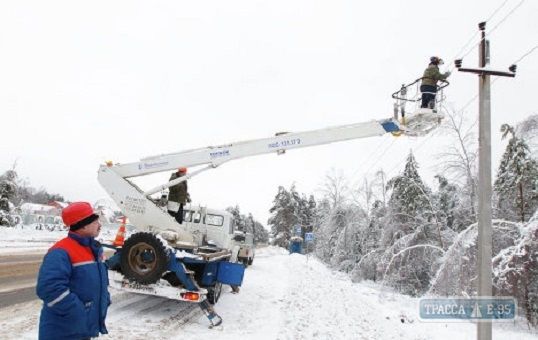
[{"x": 484, "y": 174}]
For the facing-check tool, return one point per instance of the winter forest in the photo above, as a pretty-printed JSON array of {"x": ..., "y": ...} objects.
[
  {"x": 420, "y": 240},
  {"x": 397, "y": 231}
]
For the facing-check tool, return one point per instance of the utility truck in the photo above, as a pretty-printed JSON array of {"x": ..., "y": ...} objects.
[
  {"x": 191, "y": 261},
  {"x": 247, "y": 248}
]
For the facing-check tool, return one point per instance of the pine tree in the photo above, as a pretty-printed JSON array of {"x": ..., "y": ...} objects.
[
  {"x": 238, "y": 217},
  {"x": 448, "y": 201},
  {"x": 412, "y": 235},
  {"x": 409, "y": 201},
  {"x": 517, "y": 179},
  {"x": 249, "y": 224},
  {"x": 284, "y": 215},
  {"x": 310, "y": 215},
  {"x": 8, "y": 184}
]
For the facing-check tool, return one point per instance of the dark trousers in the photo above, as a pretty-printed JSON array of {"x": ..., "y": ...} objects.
[
  {"x": 428, "y": 96},
  {"x": 178, "y": 215}
]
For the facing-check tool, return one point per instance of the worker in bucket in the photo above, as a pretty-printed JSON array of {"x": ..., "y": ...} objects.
[
  {"x": 73, "y": 280},
  {"x": 431, "y": 76},
  {"x": 178, "y": 196}
]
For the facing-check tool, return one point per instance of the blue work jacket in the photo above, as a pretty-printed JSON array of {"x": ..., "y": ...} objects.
[{"x": 73, "y": 284}]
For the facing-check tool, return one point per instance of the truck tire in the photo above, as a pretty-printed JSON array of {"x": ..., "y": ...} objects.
[
  {"x": 213, "y": 293},
  {"x": 144, "y": 258},
  {"x": 250, "y": 261}
]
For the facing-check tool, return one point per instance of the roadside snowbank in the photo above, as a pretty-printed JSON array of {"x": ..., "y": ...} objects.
[{"x": 283, "y": 297}]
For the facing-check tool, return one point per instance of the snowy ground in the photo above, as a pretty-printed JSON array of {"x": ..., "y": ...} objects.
[{"x": 283, "y": 297}]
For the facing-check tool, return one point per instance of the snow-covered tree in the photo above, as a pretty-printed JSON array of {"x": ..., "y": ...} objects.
[
  {"x": 8, "y": 184},
  {"x": 285, "y": 214},
  {"x": 409, "y": 201},
  {"x": 515, "y": 271},
  {"x": 448, "y": 201},
  {"x": 323, "y": 231},
  {"x": 380, "y": 182},
  {"x": 457, "y": 161},
  {"x": 517, "y": 179},
  {"x": 335, "y": 188},
  {"x": 249, "y": 223},
  {"x": 261, "y": 235},
  {"x": 452, "y": 206},
  {"x": 370, "y": 245},
  {"x": 457, "y": 275},
  {"x": 413, "y": 241},
  {"x": 240, "y": 223},
  {"x": 528, "y": 131},
  {"x": 310, "y": 215}
]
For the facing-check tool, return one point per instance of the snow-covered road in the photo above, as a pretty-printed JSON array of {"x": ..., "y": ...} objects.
[{"x": 283, "y": 297}]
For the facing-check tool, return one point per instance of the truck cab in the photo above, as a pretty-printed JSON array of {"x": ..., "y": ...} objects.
[{"x": 211, "y": 227}]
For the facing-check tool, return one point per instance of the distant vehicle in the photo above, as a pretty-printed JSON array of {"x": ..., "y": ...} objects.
[
  {"x": 247, "y": 248},
  {"x": 54, "y": 223},
  {"x": 33, "y": 220}
]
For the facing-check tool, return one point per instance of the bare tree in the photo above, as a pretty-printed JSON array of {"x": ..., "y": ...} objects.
[
  {"x": 335, "y": 188},
  {"x": 458, "y": 160},
  {"x": 363, "y": 197}
]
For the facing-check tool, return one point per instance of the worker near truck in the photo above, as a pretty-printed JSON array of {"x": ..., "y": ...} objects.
[
  {"x": 431, "y": 76},
  {"x": 73, "y": 280},
  {"x": 178, "y": 195}
]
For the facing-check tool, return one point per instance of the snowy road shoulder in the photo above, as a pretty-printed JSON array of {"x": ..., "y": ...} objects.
[{"x": 283, "y": 297}]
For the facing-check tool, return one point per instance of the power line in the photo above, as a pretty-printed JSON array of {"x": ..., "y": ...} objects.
[
  {"x": 506, "y": 17},
  {"x": 495, "y": 12},
  {"x": 495, "y": 80},
  {"x": 495, "y": 27},
  {"x": 475, "y": 33},
  {"x": 424, "y": 141},
  {"x": 378, "y": 158},
  {"x": 525, "y": 55}
]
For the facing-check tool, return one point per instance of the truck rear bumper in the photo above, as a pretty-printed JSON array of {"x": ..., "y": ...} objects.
[{"x": 161, "y": 288}]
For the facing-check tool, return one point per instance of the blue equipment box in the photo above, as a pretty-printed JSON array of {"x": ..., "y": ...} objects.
[{"x": 231, "y": 273}]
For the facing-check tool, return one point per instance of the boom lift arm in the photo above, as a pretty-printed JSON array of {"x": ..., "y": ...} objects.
[{"x": 146, "y": 216}]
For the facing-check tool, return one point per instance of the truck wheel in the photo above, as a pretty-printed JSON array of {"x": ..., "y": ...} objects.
[
  {"x": 250, "y": 261},
  {"x": 144, "y": 258},
  {"x": 213, "y": 293},
  {"x": 245, "y": 262}
]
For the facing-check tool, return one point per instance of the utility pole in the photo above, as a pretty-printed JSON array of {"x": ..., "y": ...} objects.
[{"x": 484, "y": 330}]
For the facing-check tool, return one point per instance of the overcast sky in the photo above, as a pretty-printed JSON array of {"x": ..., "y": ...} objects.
[{"x": 83, "y": 82}]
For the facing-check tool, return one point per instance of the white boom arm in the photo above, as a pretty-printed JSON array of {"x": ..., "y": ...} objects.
[{"x": 146, "y": 215}]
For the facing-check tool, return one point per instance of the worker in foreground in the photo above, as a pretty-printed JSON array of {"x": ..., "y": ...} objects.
[{"x": 73, "y": 280}]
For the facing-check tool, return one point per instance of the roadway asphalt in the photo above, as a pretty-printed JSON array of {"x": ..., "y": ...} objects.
[{"x": 18, "y": 274}]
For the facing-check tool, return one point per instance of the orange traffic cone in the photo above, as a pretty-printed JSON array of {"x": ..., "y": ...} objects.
[{"x": 120, "y": 236}]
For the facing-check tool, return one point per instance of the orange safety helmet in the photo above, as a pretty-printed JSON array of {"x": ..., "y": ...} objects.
[{"x": 182, "y": 169}]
